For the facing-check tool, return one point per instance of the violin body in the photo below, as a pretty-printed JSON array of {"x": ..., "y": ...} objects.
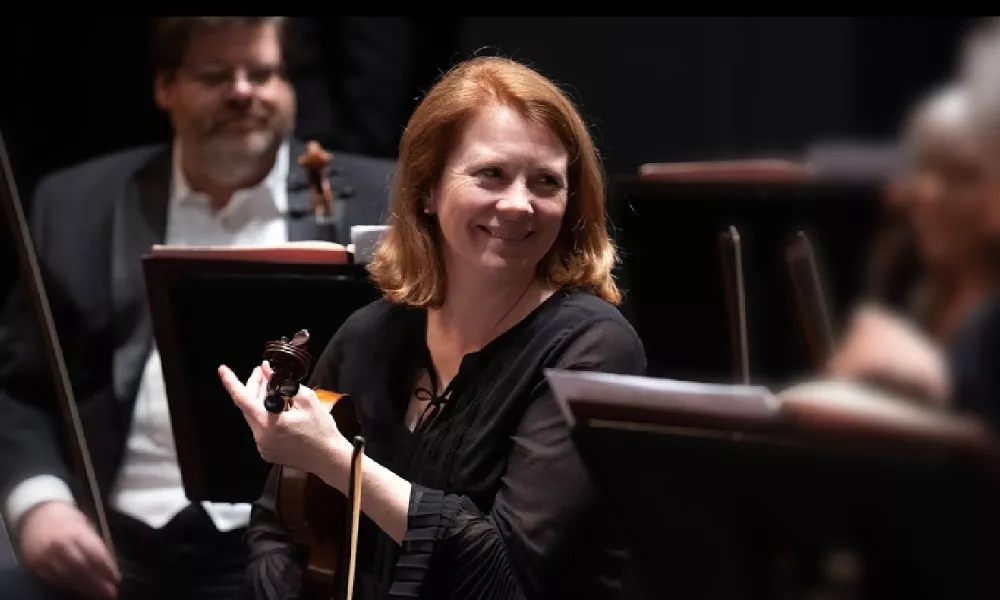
[
  {"x": 315, "y": 515},
  {"x": 312, "y": 512}
]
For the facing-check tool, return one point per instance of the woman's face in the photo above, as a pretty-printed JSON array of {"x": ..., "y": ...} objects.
[
  {"x": 502, "y": 196},
  {"x": 948, "y": 190}
]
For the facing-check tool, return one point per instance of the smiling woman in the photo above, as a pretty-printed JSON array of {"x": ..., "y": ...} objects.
[
  {"x": 502, "y": 196},
  {"x": 496, "y": 266},
  {"x": 497, "y": 145}
]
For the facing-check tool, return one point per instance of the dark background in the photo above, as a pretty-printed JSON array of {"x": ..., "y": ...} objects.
[{"x": 654, "y": 88}]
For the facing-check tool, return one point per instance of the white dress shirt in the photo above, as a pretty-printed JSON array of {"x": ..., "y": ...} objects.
[{"x": 149, "y": 485}]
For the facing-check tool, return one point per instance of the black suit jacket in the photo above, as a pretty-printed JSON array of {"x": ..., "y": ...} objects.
[{"x": 91, "y": 225}]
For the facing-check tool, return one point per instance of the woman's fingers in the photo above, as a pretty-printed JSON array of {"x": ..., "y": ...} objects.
[{"x": 240, "y": 395}]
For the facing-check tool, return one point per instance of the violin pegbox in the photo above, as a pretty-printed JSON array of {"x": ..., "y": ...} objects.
[{"x": 290, "y": 362}]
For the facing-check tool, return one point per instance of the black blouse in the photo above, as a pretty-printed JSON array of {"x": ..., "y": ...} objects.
[
  {"x": 973, "y": 362},
  {"x": 501, "y": 505}
]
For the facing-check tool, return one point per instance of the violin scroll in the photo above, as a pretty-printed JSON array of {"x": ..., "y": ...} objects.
[
  {"x": 290, "y": 362},
  {"x": 314, "y": 160}
]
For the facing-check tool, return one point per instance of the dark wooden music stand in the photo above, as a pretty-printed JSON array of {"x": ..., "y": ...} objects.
[
  {"x": 762, "y": 170},
  {"x": 760, "y": 497},
  {"x": 811, "y": 299},
  {"x": 668, "y": 218},
  {"x": 731, "y": 253},
  {"x": 208, "y": 312}
]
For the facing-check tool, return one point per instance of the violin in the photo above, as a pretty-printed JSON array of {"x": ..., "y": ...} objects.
[
  {"x": 91, "y": 504},
  {"x": 315, "y": 515}
]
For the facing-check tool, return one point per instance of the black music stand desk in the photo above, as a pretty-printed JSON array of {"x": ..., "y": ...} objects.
[
  {"x": 743, "y": 496},
  {"x": 208, "y": 312},
  {"x": 668, "y": 232}
]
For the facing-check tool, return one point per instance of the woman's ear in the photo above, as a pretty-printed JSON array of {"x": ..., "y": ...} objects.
[{"x": 430, "y": 203}]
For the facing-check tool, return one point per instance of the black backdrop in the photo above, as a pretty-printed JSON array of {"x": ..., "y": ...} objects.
[
  {"x": 657, "y": 88},
  {"x": 654, "y": 88},
  {"x": 682, "y": 88}
]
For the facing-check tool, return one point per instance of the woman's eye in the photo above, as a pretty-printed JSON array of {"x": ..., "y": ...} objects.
[
  {"x": 490, "y": 172},
  {"x": 550, "y": 180}
]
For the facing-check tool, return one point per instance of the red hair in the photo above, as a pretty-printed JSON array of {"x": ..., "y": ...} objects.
[{"x": 407, "y": 264}]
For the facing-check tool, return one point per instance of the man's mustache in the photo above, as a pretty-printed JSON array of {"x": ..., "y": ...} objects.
[{"x": 258, "y": 117}]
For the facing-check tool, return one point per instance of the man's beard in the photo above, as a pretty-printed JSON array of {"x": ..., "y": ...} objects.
[{"x": 234, "y": 158}]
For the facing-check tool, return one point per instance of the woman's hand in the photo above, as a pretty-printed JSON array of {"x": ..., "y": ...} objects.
[
  {"x": 304, "y": 437},
  {"x": 882, "y": 347}
]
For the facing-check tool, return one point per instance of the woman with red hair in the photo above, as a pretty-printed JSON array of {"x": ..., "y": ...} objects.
[{"x": 496, "y": 265}]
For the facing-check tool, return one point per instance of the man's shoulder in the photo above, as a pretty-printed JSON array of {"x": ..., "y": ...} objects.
[
  {"x": 100, "y": 170},
  {"x": 361, "y": 165},
  {"x": 363, "y": 159}
]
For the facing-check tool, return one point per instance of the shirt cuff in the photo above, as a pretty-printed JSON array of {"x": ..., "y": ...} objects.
[
  {"x": 431, "y": 515},
  {"x": 32, "y": 492}
]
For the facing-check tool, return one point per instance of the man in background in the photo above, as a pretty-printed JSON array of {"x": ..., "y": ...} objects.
[{"x": 229, "y": 177}]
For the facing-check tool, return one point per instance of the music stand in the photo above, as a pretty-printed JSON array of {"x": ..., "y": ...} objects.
[
  {"x": 811, "y": 299},
  {"x": 731, "y": 253},
  {"x": 667, "y": 222},
  {"x": 208, "y": 312},
  {"x": 747, "y": 496}
]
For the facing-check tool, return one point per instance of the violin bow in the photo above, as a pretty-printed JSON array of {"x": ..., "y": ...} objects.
[
  {"x": 64, "y": 390},
  {"x": 810, "y": 298},
  {"x": 354, "y": 514},
  {"x": 731, "y": 249}
]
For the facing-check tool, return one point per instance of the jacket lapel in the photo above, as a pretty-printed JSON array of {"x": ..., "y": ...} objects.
[
  {"x": 140, "y": 221},
  {"x": 302, "y": 224}
]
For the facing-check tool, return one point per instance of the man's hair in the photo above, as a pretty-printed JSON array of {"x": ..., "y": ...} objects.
[{"x": 172, "y": 35}]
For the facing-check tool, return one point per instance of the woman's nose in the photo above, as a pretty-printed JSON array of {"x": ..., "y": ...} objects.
[
  {"x": 929, "y": 189},
  {"x": 516, "y": 198}
]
